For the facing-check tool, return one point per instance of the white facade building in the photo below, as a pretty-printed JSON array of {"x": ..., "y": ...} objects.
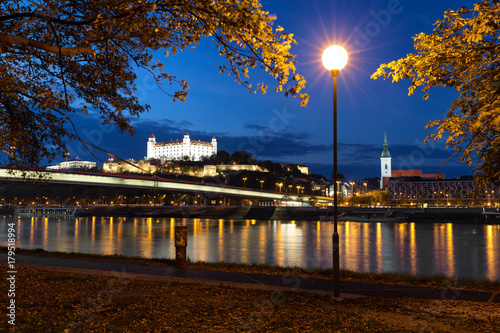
[
  {"x": 177, "y": 150},
  {"x": 72, "y": 165}
]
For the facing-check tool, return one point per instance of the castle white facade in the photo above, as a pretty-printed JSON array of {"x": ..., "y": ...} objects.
[{"x": 178, "y": 150}]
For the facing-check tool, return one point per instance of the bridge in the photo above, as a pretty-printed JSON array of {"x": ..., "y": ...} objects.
[{"x": 146, "y": 182}]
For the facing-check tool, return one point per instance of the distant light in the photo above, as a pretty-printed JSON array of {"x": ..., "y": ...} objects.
[{"x": 334, "y": 57}]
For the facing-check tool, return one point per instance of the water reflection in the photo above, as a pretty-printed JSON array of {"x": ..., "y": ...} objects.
[
  {"x": 492, "y": 252},
  {"x": 430, "y": 248}
]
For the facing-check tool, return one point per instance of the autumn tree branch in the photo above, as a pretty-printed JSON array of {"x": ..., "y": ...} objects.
[{"x": 24, "y": 41}]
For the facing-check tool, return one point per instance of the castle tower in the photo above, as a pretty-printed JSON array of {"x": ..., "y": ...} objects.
[
  {"x": 186, "y": 145},
  {"x": 214, "y": 144},
  {"x": 151, "y": 145},
  {"x": 385, "y": 164}
]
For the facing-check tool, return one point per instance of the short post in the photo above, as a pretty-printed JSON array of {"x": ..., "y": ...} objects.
[{"x": 180, "y": 246}]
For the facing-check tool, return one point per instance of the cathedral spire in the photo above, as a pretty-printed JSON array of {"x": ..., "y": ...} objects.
[
  {"x": 385, "y": 152},
  {"x": 385, "y": 164}
]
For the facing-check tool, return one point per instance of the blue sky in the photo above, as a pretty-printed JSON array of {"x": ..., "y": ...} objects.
[{"x": 273, "y": 127}]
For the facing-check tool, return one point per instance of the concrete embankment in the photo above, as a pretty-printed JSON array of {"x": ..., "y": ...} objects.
[
  {"x": 215, "y": 212},
  {"x": 288, "y": 213},
  {"x": 466, "y": 215}
]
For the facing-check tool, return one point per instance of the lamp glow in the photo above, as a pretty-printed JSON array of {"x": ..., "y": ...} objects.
[{"x": 334, "y": 57}]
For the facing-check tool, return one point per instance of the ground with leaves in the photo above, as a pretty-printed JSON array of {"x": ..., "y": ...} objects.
[{"x": 57, "y": 301}]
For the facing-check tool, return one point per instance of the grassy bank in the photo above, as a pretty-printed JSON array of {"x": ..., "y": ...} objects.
[
  {"x": 56, "y": 301},
  {"x": 435, "y": 281}
]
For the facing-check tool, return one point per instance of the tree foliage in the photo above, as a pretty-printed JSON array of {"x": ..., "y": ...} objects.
[
  {"x": 272, "y": 167},
  {"x": 63, "y": 58},
  {"x": 242, "y": 157},
  {"x": 222, "y": 157},
  {"x": 463, "y": 52}
]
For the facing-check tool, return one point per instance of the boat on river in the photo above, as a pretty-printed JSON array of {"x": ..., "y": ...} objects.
[
  {"x": 365, "y": 216},
  {"x": 52, "y": 211},
  {"x": 491, "y": 214}
]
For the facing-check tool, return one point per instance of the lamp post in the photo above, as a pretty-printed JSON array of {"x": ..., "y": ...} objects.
[
  {"x": 334, "y": 59},
  {"x": 244, "y": 181},
  {"x": 261, "y": 184},
  {"x": 66, "y": 155}
]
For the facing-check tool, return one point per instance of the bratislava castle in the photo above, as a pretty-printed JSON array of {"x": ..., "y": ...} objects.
[{"x": 176, "y": 150}]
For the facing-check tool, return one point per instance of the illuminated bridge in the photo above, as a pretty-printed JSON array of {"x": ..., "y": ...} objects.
[{"x": 88, "y": 179}]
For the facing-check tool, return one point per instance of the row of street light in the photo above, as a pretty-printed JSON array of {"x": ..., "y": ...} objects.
[{"x": 300, "y": 189}]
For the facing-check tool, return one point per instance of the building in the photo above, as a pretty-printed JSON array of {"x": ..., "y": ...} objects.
[
  {"x": 186, "y": 148},
  {"x": 75, "y": 164},
  {"x": 386, "y": 171},
  {"x": 416, "y": 173},
  {"x": 302, "y": 168},
  {"x": 444, "y": 191},
  {"x": 213, "y": 170},
  {"x": 415, "y": 187},
  {"x": 131, "y": 166}
]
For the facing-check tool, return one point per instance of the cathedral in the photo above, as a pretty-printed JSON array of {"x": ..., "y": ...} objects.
[
  {"x": 386, "y": 171},
  {"x": 193, "y": 150}
]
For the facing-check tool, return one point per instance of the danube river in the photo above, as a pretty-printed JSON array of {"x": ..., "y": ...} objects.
[{"x": 455, "y": 250}]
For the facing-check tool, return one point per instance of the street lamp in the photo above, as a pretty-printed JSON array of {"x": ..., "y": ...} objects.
[
  {"x": 261, "y": 184},
  {"x": 352, "y": 188},
  {"x": 279, "y": 185},
  {"x": 334, "y": 59},
  {"x": 244, "y": 181},
  {"x": 66, "y": 155}
]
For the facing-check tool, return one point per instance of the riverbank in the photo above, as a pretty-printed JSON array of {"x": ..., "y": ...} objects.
[
  {"x": 468, "y": 215},
  {"x": 464, "y": 215},
  {"x": 61, "y": 298},
  {"x": 427, "y": 281}
]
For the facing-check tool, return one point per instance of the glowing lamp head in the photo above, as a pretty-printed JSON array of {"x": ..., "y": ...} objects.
[{"x": 334, "y": 57}]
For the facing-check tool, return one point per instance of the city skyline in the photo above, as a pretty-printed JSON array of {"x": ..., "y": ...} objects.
[{"x": 273, "y": 127}]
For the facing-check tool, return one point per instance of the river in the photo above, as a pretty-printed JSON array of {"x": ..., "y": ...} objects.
[{"x": 454, "y": 250}]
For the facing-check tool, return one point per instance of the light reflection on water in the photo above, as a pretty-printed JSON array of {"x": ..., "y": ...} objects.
[{"x": 471, "y": 250}]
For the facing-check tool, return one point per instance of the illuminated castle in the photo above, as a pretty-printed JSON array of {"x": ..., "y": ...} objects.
[{"x": 181, "y": 149}]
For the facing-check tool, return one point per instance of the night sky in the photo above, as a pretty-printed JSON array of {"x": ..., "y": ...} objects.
[{"x": 273, "y": 127}]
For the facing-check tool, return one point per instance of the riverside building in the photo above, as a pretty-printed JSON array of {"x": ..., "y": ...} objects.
[{"x": 445, "y": 191}]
